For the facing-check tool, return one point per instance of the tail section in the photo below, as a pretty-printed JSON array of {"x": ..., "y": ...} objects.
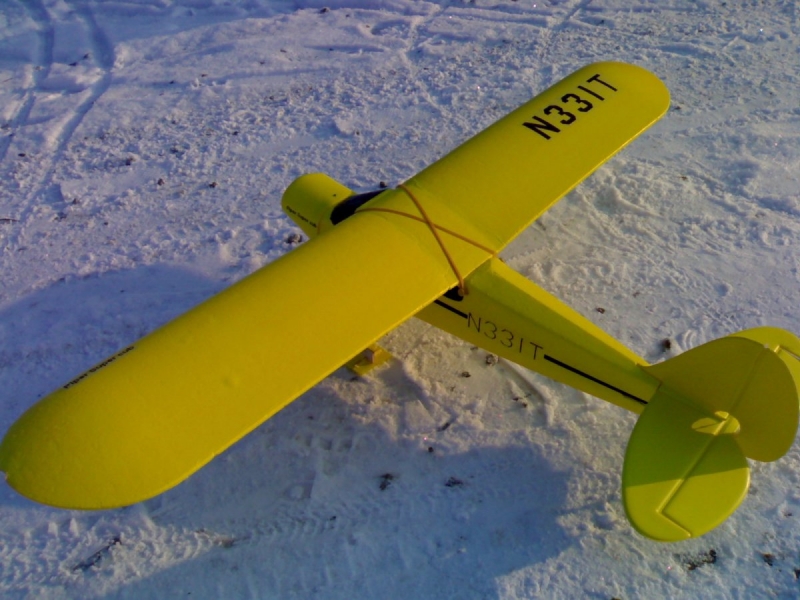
[
  {"x": 703, "y": 413},
  {"x": 728, "y": 400}
]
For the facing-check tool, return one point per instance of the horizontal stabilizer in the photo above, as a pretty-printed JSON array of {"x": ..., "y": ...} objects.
[
  {"x": 685, "y": 466},
  {"x": 745, "y": 378},
  {"x": 684, "y": 474}
]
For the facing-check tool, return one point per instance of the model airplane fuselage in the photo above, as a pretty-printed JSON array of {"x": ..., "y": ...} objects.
[{"x": 152, "y": 414}]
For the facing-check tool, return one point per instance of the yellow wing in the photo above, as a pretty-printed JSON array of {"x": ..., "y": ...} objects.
[
  {"x": 509, "y": 174},
  {"x": 144, "y": 420},
  {"x": 148, "y": 417}
]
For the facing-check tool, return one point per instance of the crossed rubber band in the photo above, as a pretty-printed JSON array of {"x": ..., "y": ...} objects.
[{"x": 462, "y": 286}]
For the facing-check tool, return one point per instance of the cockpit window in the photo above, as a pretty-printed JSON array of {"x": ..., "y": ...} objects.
[{"x": 348, "y": 207}]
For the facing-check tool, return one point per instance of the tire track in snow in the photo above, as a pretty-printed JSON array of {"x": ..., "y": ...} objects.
[
  {"x": 413, "y": 44},
  {"x": 101, "y": 52},
  {"x": 549, "y": 35},
  {"x": 37, "y": 73},
  {"x": 93, "y": 549}
]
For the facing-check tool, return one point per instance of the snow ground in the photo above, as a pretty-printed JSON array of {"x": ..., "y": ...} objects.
[{"x": 117, "y": 117}]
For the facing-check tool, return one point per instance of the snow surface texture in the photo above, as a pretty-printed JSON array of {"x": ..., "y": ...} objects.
[{"x": 144, "y": 147}]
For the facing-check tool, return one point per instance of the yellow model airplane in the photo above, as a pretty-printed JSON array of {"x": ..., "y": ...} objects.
[{"x": 146, "y": 418}]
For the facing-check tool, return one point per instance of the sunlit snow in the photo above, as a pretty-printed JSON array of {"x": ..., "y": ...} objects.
[{"x": 144, "y": 147}]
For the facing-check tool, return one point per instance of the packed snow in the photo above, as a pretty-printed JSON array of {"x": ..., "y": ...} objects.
[{"x": 144, "y": 148}]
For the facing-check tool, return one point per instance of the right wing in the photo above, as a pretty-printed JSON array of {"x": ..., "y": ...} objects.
[{"x": 502, "y": 179}]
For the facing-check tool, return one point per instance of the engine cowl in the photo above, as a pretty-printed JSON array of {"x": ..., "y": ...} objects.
[
  {"x": 310, "y": 199},
  {"x": 316, "y": 202}
]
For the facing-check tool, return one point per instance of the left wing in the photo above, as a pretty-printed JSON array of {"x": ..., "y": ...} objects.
[{"x": 151, "y": 415}]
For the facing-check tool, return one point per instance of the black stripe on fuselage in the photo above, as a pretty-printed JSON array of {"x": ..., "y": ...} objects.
[
  {"x": 595, "y": 379},
  {"x": 451, "y": 309},
  {"x": 555, "y": 361}
]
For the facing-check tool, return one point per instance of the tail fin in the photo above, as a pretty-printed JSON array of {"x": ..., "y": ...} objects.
[{"x": 728, "y": 400}]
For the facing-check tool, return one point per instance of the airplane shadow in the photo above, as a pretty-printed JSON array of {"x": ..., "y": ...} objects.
[
  {"x": 326, "y": 494},
  {"x": 339, "y": 485},
  {"x": 53, "y": 334}
]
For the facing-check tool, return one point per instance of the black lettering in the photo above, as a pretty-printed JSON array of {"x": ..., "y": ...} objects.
[
  {"x": 601, "y": 82},
  {"x": 95, "y": 368},
  {"x": 588, "y": 91},
  {"x": 584, "y": 105},
  {"x": 471, "y": 320},
  {"x": 508, "y": 340},
  {"x": 493, "y": 331},
  {"x": 536, "y": 348},
  {"x": 541, "y": 127},
  {"x": 570, "y": 118}
]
